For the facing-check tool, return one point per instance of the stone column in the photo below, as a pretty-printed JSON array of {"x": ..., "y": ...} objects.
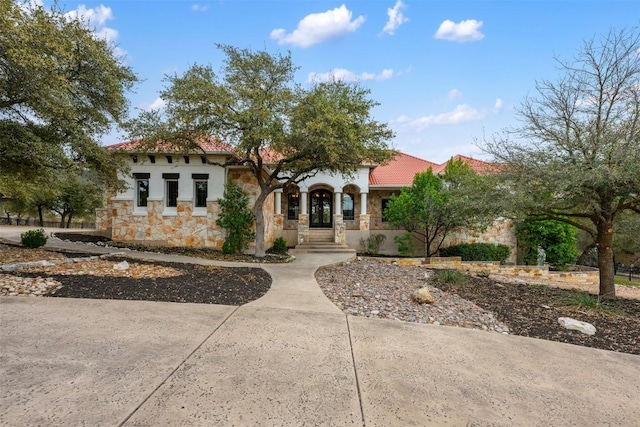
[
  {"x": 364, "y": 217},
  {"x": 303, "y": 228},
  {"x": 337, "y": 209},
  {"x": 303, "y": 203}
]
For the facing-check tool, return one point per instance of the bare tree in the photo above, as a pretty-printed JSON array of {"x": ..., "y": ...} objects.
[{"x": 575, "y": 157}]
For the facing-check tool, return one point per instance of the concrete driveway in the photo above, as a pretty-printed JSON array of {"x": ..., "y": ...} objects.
[{"x": 291, "y": 358}]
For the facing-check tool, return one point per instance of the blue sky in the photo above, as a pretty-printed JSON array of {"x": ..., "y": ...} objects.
[{"x": 445, "y": 72}]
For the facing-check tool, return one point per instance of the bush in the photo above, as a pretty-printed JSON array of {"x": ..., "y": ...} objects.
[
  {"x": 558, "y": 240},
  {"x": 478, "y": 252},
  {"x": 33, "y": 238},
  {"x": 237, "y": 218},
  {"x": 371, "y": 245},
  {"x": 280, "y": 246},
  {"x": 405, "y": 244},
  {"x": 451, "y": 277}
]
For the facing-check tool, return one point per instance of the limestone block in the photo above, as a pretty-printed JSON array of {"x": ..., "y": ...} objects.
[
  {"x": 577, "y": 325},
  {"x": 423, "y": 296}
]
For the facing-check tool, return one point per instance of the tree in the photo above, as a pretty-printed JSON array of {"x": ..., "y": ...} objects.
[
  {"x": 61, "y": 88},
  {"x": 78, "y": 196},
  {"x": 437, "y": 204},
  {"x": 237, "y": 218},
  {"x": 282, "y": 132},
  {"x": 575, "y": 158},
  {"x": 558, "y": 239}
]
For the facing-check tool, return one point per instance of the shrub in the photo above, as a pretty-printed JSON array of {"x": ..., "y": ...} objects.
[
  {"x": 280, "y": 245},
  {"x": 478, "y": 252},
  {"x": 558, "y": 240},
  {"x": 405, "y": 244},
  {"x": 371, "y": 245},
  {"x": 33, "y": 238},
  {"x": 451, "y": 277},
  {"x": 237, "y": 218}
]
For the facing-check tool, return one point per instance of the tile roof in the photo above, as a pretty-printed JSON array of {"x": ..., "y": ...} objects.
[
  {"x": 209, "y": 145},
  {"x": 399, "y": 171}
]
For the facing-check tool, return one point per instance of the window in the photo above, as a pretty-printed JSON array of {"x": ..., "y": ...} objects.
[
  {"x": 293, "y": 206},
  {"x": 201, "y": 189},
  {"x": 171, "y": 189},
  {"x": 348, "y": 207},
  {"x": 142, "y": 188},
  {"x": 142, "y": 192},
  {"x": 385, "y": 202},
  {"x": 201, "y": 194}
]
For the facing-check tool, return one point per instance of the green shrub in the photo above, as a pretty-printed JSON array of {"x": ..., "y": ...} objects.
[
  {"x": 237, "y": 218},
  {"x": 405, "y": 244},
  {"x": 280, "y": 245},
  {"x": 478, "y": 252},
  {"x": 371, "y": 245},
  {"x": 33, "y": 238},
  {"x": 558, "y": 240},
  {"x": 451, "y": 277}
]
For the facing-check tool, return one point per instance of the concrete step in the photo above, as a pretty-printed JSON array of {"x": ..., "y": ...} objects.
[{"x": 321, "y": 247}]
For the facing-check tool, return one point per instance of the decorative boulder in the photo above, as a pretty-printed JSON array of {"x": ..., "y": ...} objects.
[
  {"x": 423, "y": 296},
  {"x": 124, "y": 265},
  {"x": 577, "y": 325}
]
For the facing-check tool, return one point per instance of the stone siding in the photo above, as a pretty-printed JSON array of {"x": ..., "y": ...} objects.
[
  {"x": 501, "y": 232},
  {"x": 180, "y": 229}
]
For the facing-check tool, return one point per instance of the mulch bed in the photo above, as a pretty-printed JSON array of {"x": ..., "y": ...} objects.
[
  {"x": 196, "y": 284},
  {"x": 205, "y": 253},
  {"x": 533, "y": 311}
]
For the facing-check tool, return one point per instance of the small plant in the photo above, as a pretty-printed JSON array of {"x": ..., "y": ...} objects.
[
  {"x": 405, "y": 244},
  {"x": 237, "y": 218},
  {"x": 371, "y": 245},
  {"x": 585, "y": 300},
  {"x": 33, "y": 238},
  {"x": 280, "y": 245},
  {"x": 451, "y": 277}
]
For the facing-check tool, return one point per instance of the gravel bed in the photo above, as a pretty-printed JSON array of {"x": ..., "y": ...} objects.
[{"x": 373, "y": 288}]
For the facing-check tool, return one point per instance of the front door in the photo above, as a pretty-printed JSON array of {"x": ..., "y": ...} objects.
[{"x": 321, "y": 209}]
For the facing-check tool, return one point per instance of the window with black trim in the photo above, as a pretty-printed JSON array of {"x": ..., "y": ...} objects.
[
  {"x": 385, "y": 202},
  {"x": 142, "y": 188},
  {"x": 202, "y": 192},
  {"x": 142, "y": 192},
  {"x": 293, "y": 206},
  {"x": 348, "y": 207},
  {"x": 171, "y": 189}
]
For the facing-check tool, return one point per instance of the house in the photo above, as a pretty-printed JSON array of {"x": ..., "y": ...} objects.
[{"x": 171, "y": 200}]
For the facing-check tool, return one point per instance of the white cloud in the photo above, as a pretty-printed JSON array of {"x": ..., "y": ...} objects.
[
  {"x": 349, "y": 76},
  {"x": 461, "y": 114},
  {"x": 396, "y": 18},
  {"x": 455, "y": 94},
  {"x": 498, "y": 105},
  {"x": 200, "y": 7},
  {"x": 465, "y": 31},
  {"x": 319, "y": 27},
  {"x": 96, "y": 19},
  {"x": 158, "y": 104}
]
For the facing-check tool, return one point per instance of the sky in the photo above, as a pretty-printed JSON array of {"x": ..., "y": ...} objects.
[{"x": 447, "y": 74}]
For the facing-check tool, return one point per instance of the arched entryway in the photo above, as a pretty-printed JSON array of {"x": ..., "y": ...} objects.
[{"x": 321, "y": 209}]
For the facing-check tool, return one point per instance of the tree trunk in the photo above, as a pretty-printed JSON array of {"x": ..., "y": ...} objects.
[
  {"x": 62, "y": 219},
  {"x": 40, "y": 216},
  {"x": 259, "y": 214},
  {"x": 69, "y": 220},
  {"x": 605, "y": 259}
]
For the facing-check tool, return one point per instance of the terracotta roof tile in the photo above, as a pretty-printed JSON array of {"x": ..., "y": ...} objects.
[
  {"x": 209, "y": 145},
  {"x": 399, "y": 171}
]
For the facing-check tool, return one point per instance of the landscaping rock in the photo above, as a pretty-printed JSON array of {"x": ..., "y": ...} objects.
[
  {"x": 423, "y": 296},
  {"x": 577, "y": 325},
  {"x": 124, "y": 265}
]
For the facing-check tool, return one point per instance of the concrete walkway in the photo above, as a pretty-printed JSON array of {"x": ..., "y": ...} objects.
[{"x": 290, "y": 358}]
